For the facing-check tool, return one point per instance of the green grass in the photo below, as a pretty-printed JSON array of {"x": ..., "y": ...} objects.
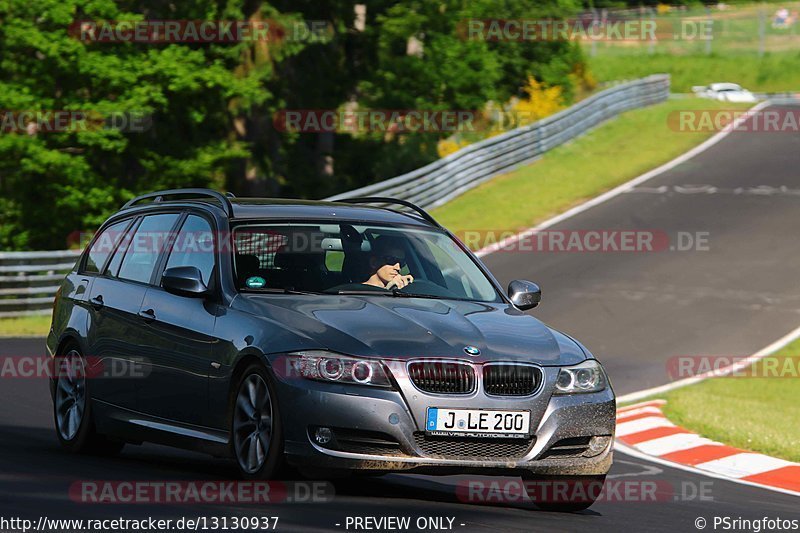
[
  {"x": 735, "y": 47},
  {"x": 25, "y": 326},
  {"x": 760, "y": 414},
  {"x": 775, "y": 72},
  {"x": 607, "y": 156}
]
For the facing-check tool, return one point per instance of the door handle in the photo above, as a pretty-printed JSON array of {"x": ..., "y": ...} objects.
[
  {"x": 97, "y": 302},
  {"x": 148, "y": 315}
]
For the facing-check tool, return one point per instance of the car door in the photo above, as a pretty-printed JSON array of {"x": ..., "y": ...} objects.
[
  {"x": 179, "y": 332},
  {"x": 115, "y": 298}
]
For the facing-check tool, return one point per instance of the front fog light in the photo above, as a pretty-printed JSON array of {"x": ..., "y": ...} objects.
[
  {"x": 597, "y": 445},
  {"x": 323, "y": 435}
]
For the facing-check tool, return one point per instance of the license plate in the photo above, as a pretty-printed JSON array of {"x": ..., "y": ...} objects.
[{"x": 477, "y": 421}]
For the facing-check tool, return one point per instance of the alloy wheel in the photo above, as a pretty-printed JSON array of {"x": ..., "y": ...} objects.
[
  {"x": 70, "y": 394},
  {"x": 252, "y": 424}
]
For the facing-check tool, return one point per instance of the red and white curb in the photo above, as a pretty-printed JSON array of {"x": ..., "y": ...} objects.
[{"x": 644, "y": 428}]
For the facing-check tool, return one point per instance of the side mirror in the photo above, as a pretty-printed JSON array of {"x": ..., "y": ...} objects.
[
  {"x": 184, "y": 281},
  {"x": 524, "y": 294}
]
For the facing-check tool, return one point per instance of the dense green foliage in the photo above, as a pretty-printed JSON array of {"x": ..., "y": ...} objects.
[{"x": 209, "y": 107}]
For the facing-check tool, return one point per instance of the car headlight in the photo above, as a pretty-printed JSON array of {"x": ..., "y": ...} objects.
[
  {"x": 585, "y": 377},
  {"x": 335, "y": 368}
]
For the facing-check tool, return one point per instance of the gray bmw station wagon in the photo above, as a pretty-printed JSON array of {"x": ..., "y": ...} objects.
[{"x": 357, "y": 335}]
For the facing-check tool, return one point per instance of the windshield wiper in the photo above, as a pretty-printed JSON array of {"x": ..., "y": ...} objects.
[
  {"x": 396, "y": 292},
  {"x": 365, "y": 292},
  {"x": 286, "y": 290}
]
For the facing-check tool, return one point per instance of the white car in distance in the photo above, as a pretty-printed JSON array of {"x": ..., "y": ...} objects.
[{"x": 725, "y": 92}]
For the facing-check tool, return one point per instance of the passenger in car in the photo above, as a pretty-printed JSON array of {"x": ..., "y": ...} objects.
[{"x": 385, "y": 262}]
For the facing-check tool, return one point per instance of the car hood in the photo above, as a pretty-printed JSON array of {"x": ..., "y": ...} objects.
[{"x": 404, "y": 328}]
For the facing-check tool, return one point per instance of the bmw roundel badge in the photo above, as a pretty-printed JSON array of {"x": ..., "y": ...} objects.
[{"x": 472, "y": 350}]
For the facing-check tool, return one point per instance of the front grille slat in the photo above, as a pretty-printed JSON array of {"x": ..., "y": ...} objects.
[
  {"x": 442, "y": 377},
  {"x": 569, "y": 447},
  {"x": 472, "y": 448},
  {"x": 511, "y": 379}
]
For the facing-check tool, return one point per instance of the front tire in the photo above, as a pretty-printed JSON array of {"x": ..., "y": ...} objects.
[
  {"x": 564, "y": 494},
  {"x": 256, "y": 432},
  {"x": 72, "y": 408}
]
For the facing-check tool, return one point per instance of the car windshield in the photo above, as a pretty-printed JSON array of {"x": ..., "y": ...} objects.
[{"x": 347, "y": 258}]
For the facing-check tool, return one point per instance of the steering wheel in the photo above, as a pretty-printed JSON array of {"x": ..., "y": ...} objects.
[{"x": 423, "y": 286}]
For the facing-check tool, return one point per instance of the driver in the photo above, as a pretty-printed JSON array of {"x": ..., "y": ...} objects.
[{"x": 385, "y": 262}]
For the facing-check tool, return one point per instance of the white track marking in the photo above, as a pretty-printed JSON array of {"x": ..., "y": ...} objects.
[
  {"x": 646, "y": 470},
  {"x": 708, "y": 143},
  {"x": 743, "y": 363},
  {"x": 674, "y": 443},
  {"x": 632, "y": 452},
  {"x": 653, "y": 410},
  {"x": 743, "y": 465},
  {"x": 642, "y": 424}
]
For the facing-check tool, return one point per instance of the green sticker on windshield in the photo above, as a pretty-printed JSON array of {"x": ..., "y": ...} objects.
[{"x": 255, "y": 282}]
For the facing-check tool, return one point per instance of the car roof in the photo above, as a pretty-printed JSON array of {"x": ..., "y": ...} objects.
[
  {"x": 282, "y": 209},
  {"x": 291, "y": 209},
  {"x": 374, "y": 210},
  {"x": 724, "y": 85}
]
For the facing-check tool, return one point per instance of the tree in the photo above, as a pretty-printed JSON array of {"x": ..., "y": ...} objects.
[{"x": 57, "y": 182}]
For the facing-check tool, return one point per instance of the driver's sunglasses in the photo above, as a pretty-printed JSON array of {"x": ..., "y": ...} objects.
[{"x": 393, "y": 260}]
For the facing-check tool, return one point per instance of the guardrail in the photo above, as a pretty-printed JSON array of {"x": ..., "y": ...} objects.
[
  {"x": 451, "y": 176},
  {"x": 29, "y": 280}
]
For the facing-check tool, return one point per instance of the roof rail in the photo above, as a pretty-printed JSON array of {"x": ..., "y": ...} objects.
[
  {"x": 382, "y": 200},
  {"x": 160, "y": 196}
]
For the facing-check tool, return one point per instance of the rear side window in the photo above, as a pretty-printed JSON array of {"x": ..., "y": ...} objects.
[
  {"x": 143, "y": 250},
  {"x": 103, "y": 245},
  {"x": 194, "y": 246}
]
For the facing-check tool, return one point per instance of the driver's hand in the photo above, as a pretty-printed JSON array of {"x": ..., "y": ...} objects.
[{"x": 400, "y": 281}]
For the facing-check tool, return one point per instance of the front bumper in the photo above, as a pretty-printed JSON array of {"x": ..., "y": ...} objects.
[{"x": 399, "y": 416}]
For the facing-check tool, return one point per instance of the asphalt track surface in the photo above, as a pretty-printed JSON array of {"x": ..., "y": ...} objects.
[{"x": 635, "y": 311}]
